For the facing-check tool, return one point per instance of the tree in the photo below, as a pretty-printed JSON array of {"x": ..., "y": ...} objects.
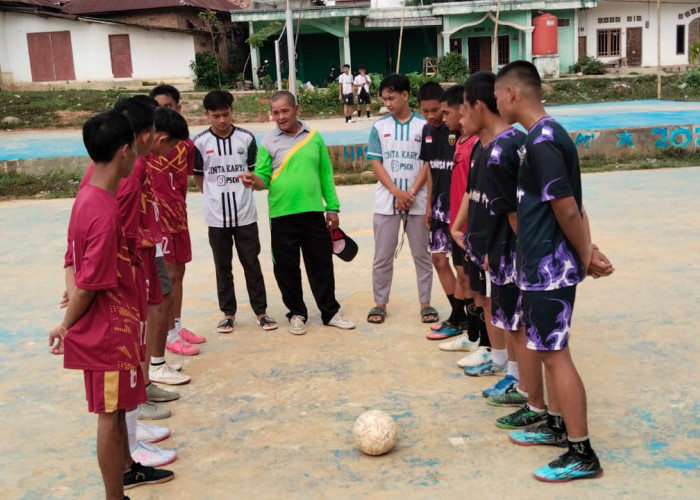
[{"x": 212, "y": 25}]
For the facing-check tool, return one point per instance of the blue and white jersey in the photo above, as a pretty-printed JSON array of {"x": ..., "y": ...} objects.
[{"x": 398, "y": 147}]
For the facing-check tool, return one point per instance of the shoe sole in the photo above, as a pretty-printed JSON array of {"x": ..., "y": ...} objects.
[
  {"x": 504, "y": 405},
  {"x": 560, "y": 444},
  {"x": 173, "y": 351},
  {"x": 169, "y": 381},
  {"x": 156, "y": 440},
  {"x": 512, "y": 427},
  {"x": 155, "y": 481},
  {"x": 545, "y": 480},
  {"x": 489, "y": 374},
  {"x": 298, "y": 333},
  {"x": 195, "y": 342},
  {"x": 163, "y": 400},
  {"x": 441, "y": 336},
  {"x": 142, "y": 417},
  {"x": 159, "y": 464}
]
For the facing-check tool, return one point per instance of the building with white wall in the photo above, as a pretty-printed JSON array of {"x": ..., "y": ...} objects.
[
  {"x": 39, "y": 51},
  {"x": 628, "y": 31}
]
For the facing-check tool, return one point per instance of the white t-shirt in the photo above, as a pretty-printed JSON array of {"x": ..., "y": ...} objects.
[
  {"x": 345, "y": 80},
  {"x": 398, "y": 145},
  {"x": 365, "y": 81},
  {"x": 220, "y": 160}
]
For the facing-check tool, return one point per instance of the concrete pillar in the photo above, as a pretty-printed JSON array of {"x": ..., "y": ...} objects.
[
  {"x": 254, "y": 58},
  {"x": 439, "y": 45},
  {"x": 527, "y": 38},
  {"x": 445, "y": 43},
  {"x": 345, "y": 45}
]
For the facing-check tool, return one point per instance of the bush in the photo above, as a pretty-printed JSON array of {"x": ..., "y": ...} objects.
[
  {"x": 452, "y": 67},
  {"x": 694, "y": 53},
  {"x": 692, "y": 78},
  {"x": 417, "y": 80},
  {"x": 588, "y": 66},
  {"x": 206, "y": 71},
  {"x": 316, "y": 101}
]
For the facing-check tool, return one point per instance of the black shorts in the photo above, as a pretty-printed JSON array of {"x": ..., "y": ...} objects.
[
  {"x": 349, "y": 99},
  {"x": 439, "y": 239},
  {"x": 547, "y": 318},
  {"x": 458, "y": 255},
  {"x": 506, "y": 307},
  {"x": 477, "y": 279},
  {"x": 363, "y": 97}
]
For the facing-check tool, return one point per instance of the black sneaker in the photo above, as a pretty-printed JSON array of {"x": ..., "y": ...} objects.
[
  {"x": 569, "y": 467},
  {"x": 139, "y": 474}
]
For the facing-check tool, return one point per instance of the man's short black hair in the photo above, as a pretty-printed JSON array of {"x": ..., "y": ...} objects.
[
  {"x": 524, "y": 72},
  {"x": 105, "y": 133},
  {"x": 429, "y": 91},
  {"x": 396, "y": 83},
  {"x": 346, "y": 65},
  {"x": 283, "y": 94},
  {"x": 139, "y": 109},
  {"x": 362, "y": 66},
  {"x": 166, "y": 90},
  {"x": 218, "y": 99},
  {"x": 454, "y": 96},
  {"x": 172, "y": 123},
  {"x": 479, "y": 87}
]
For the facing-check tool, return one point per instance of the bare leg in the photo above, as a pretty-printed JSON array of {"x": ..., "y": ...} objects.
[
  {"x": 496, "y": 336},
  {"x": 177, "y": 274},
  {"x": 568, "y": 389},
  {"x": 530, "y": 369},
  {"x": 444, "y": 272},
  {"x": 111, "y": 442}
]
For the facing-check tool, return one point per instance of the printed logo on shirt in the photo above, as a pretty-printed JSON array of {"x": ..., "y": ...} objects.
[
  {"x": 452, "y": 139},
  {"x": 417, "y": 138},
  {"x": 241, "y": 151},
  {"x": 209, "y": 152},
  {"x": 521, "y": 154},
  {"x": 429, "y": 139},
  {"x": 387, "y": 135}
]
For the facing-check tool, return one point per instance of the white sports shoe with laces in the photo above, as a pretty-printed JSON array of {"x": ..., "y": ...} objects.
[
  {"x": 149, "y": 455},
  {"x": 151, "y": 433}
]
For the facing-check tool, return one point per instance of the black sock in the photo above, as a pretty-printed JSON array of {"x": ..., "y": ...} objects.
[
  {"x": 556, "y": 422},
  {"x": 483, "y": 333},
  {"x": 451, "y": 300},
  {"x": 459, "y": 315},
  {"x": 367, "y": 114},
  {"x": 472, "y": 320},
  {"x": 347, "y": 119},
  {"x": 582, "y": 448}
]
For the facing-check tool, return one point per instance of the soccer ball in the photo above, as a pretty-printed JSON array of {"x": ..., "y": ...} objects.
[{"x": 374, "y": 432}]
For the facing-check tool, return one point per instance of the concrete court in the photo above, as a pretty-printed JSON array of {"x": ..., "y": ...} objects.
[{"x": 269, "y": 415}]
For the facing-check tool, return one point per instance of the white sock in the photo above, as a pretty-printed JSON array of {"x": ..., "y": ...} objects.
[
  {"x": 513, "y": 369},
  {"x": 499, "y": 356},
  {"x": 173, "y": 335},
  {"x": 521, "y": 392},
  {"x": 532, "y": 408},
  {"x": 131, "y": 424},
  {"x": 157, "y": 361},
  {"x": 178, "y": 324}
]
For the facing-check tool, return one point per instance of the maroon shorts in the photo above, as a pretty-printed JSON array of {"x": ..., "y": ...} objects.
[
  {"x": 107, "y": 392},
  {"x": 154, "y": 293},
  {"x": 177, "y": 247}
]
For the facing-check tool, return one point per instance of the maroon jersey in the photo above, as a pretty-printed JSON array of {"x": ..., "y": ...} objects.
[
  {"x": 169, "y": 176},
  {"x": 108, "y": 335}
]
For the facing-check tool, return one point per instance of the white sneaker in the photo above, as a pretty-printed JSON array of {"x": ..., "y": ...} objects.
[
  {"x": 339, "y": 321},
  {"x": 460, "y": 343},
  {"x": 481, "y": 355},
  {"x": 149, "y": 455},
  {"x": 174, "y": 366},
  {"x": 166, "y": 375},
  {"x": 297, "y": 326},
  {"x": 151, "y": 433}
]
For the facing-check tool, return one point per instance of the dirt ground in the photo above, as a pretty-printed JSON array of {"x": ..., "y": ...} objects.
[{"x": 270, "y": 415}]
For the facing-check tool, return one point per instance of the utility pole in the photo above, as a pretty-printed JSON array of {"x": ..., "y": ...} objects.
[
  {"x": 291, "y": 55},
  {"x": 658, "y": 49},
  {"x": 403, "y": 14}
]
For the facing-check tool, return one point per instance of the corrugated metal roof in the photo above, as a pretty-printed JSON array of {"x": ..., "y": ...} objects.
[
  {"x": 103, "y": 6},
  {"x": 38, "y": 3}
]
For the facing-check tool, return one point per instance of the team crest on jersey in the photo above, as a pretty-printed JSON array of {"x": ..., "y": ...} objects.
[
  {"x": 417, "y": 138},
  {"x": 452, "y": 139},
  {"x": 209, "y": 151},
  {"x": 521, "y": 154}
]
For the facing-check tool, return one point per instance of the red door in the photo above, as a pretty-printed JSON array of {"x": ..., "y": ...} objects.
[
  {"x": 50, "y": 56},
  {"x": 120, "y": 53}
]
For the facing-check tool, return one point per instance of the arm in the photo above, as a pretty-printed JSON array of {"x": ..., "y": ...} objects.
[
  {"x": 460, "y": 221},
  {"x": 403, "y": 198},
  {"x": 513, "y": 221},
  {"x": 260, "y": 178},
  {"x": 572, "y": 224},
  {"x": 198, "y": 170},
  {"x": 600, "y": 264},
  {"x": 328, "y": 186},
  {"x": 78, "y": 302},
  {"x": 428, "y": 207}
]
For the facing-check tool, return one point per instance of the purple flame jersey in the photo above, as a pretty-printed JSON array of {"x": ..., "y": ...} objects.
[
  {"x": 504, "y": 153},
  {"x": 478, "y": 215},
  {"x": 438, "y": 149},
  {"x": 550, "y": 170}
]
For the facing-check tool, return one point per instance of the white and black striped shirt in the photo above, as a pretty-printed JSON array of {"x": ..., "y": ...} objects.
[{"x": 220, "y": 160}]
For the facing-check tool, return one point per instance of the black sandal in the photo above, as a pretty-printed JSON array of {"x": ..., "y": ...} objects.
[
  {"x": 267, "y": 323},
  {"x": 429, "y": 315},
  {"x": 225, "y": 325},
  {"x": 376, "y": 311}
]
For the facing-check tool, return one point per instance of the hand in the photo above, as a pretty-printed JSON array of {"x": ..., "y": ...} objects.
[
  {"x": 458, "y": 236},
  {"x": 428, "y": 215},
  {"x": 600, "y": 265},
  {"x": 404, "y": 199},
  {"x": 56, "y": 339},
  {"x": 340, "y": 98},
  {"x": 64, "y": 300},
  {"x": 486, "y": 263},
  {"x": 332, "y": 221},
  {"x": 247, "y": 178}
]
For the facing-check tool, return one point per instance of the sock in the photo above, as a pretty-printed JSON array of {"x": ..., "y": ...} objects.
[
  {"x": 534, "y": 408},
  {"x": 499, "y": 356},
  {"x": 521, "y": 392},
  {"x": 483, "y": 332},
  {"x": 556, "y": 422},
  {"x": 458, "y": 313},
  {"x": 472, "y": 320},
  {"x": 173, "y": 335},
  {"x": 131, "y": 424},
  {"x": 581, "y": 447},
  {"x": 178, "y": 324},
  {"x": 367, "y": 114},
  {"x": 157, "y": 361},
  {"x": 347, "y": 118},
  {"x": 451, "y": 300},
  {"x": 513, "y": 369}
]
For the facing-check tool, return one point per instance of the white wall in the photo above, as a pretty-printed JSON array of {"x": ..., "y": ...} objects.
[
  {"x": 155, "y": 55},
  {"x": 588, "y": 20}
]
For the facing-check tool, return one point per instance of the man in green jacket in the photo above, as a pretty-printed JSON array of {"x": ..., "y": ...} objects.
[{"x": 293, "y": 163}]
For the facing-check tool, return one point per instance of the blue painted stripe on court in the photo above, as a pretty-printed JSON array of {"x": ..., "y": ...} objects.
[{"x": 55, "y": 144}]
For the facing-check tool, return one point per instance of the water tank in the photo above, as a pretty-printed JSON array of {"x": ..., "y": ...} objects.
[{"x": 544, "y": 36}]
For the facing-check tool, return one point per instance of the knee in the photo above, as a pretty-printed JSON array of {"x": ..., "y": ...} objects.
[{"x": 440, "y": 262}]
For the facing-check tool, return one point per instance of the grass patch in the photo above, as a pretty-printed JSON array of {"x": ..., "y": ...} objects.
[
  {"x": 47, "y": 186},
  {"x": 668, "y": 159}
]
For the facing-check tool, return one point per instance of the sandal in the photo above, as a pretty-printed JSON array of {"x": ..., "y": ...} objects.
[
  {"x": 429, "y": 315},
  {"x": 376, "y": 311},
  {"x": 267, "y": 323},
  {"x": 225, "y": 325}
]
